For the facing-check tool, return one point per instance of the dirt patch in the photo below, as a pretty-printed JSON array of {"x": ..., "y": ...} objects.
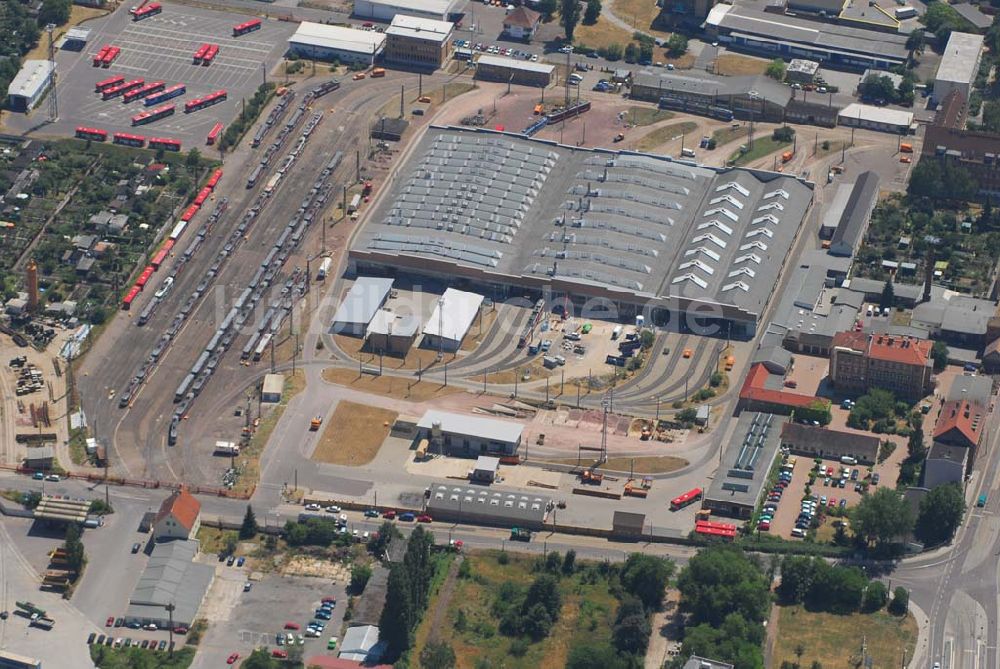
[
  {"x": 415, "y": 358},
  {"x": 734, "y": 65},
  {"x": 685, "y": 61},
  {"x": 640, "y": 13},
  {"x": 354, "y": 434},
  {"x": 388, "y": 386},
  {"x": 303, "y": 565},
  {"x": 604, "y": 33},
  {"x": 664, "y": 134}
]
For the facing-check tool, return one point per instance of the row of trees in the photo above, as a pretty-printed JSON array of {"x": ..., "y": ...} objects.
[
  {"x": 248, "y": 114},
  {"x": 884, "y": 517},
  {"x": 881, "y": 87},
  {"x": 407, "y": 593},
  {"x": 821, "y": 586}
]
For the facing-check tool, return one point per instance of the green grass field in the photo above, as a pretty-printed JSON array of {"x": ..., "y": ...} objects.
[
  {"x": 835, "y": 641},
  {"x": 661, "y": 136},
  {"x": 640, "y": 116},
  {"x": 763, "y": 146}
]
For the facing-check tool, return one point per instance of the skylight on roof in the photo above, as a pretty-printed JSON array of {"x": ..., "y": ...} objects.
[
  {"x": 766, "y": 218},
  {"x": 755, "y": 244},
  {"x": 699, "y": 264},
  {"x": 736, "y": 284},
  {"x": 710, "y": 237},
  {"x": 760, "y": 231},
  {"x": 722, "y": 210},
  {"x": 715, "y": 223},
  {"x": 727, "y": 198},
  {"x": 735, "y": 186},
  {"x": 781, "y": 192},
  {"x": 746, "y": 271},
  {"x": 747, "y": 256},
  {"x": 704, "y": 250},
  {"x": 698, "y": 281},
  {"x": 771, "y": 205}
]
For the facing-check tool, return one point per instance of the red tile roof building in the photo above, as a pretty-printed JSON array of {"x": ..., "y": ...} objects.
[
  {"x": 756, "y": 396},
  {"x": 179, "y": 516},
  {"x": 960, "y": 423},
  {"x": 522, "y": 23},
  {"x": 860, "y": 361}
]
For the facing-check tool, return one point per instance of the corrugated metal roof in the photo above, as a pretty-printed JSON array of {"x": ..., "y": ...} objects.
[
  {"x": 32, "y": 78},
  {"x": 338, "y": 37},
  {"x": 453, "y": 314},
  {"x": 872, "y": 114},
  {"x": 363, "y": 300},
  {"x": 171, "y": 576},
  {"x": 473, "y": 426}
]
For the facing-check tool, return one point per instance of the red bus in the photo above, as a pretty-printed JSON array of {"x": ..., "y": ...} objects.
[
  {"x": 190, "y": 212},
  {"x": 207, "y": 101},
  {"x": 145, "y": 276},
  {"x": 152, "y": 9},
  {"x": 687, "y": 498},
  {"x": 164, "y": 143},
  {"x": 129, "y": 140},
  {"x": 152, "y": 115},
  {"x": 167, "y": 94},
  {"x": 110, "y": 55},
  {"x": 210, "y": 54},
  {"x": 121, "y": 89},
  {"x": 143, "y": 91},
  {"x": 202, "y": 195},
  {"x": 110, "y": 82},
  {"x": 158, "y": 259},
  {"x": 726, "y": 527},
  {"x": 715, "y": 532},
  {"x": 91, "y": 133},
  {"x": 200, "y": 53},
  {"x": 129, "y": 297},
  {"x": 248, "y": 27},
  {"x": 214, "y": 134},
  {"x": 99, "y": 56},
  {"x": 213, "y": 180}
]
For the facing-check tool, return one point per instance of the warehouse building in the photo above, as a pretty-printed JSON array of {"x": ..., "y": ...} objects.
[
  {"x": 638, "y": 234},
  {"x": 452, "y": 317},
  {"x": 759, "y": 97},
  {"x": 171, "y": 577},
  {"x": 392, "y": 333},
  {"x": 521, "y": 72},
  {"x": 362, "y": 302},
  {"x": 387, "y": 10},
  {"x": 747, "y": 28},
  {"x": 738, "y": 485},
  {"x": 819, "y": 442},
  {"x": 346, "y": 45},
  {"x": 418, "y": 42},
  {"x": 854, "y": 218},
  {"x": 959, "y": 65},
  {"x": 881, "y": 119},
  {"x": 453, "y": 503},
  {"x": 30, "y": 84},
  {"x": 469, "y": 436}
]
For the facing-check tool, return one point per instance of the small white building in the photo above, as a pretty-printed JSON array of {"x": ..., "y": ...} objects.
[
  {"x": 467, "y": 436},
  {"x": 347, "y": 45},
  {"x": 392, "y": 333},
  {"x": 959, "y": 65},
  {"x": 362, "y": 302},
  {"x": 486, "y": 468},
  {"x": 453, "y": 315},
  {"x": 386, "y": 10},
  {"x": 273, "y": 386},
  {"x": 30, "y": 84},
  {"x": 360, "y": 643},
  {"x": 881, "y": 119}
]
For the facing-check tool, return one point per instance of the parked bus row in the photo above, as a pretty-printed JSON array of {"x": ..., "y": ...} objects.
[
  {"x": 126, "y": 139},
  {"x": 145, "y": 11},
  {"x": 107, "y": 55},
  {"x": 205, "y": 54}
]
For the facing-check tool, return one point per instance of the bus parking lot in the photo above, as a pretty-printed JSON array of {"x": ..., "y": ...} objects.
[{"x": 162, "y": 48}]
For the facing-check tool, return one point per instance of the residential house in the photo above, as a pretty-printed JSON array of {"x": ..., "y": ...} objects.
[
  {"x": 179, "y": 517},
  {"x": 522, "y": 23}
]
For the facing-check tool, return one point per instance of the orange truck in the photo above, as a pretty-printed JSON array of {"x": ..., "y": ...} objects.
[
  {"x": 378, "y": 72},
  {"x": 906, "y": 148},
  {"x": 786, "y": 156}
]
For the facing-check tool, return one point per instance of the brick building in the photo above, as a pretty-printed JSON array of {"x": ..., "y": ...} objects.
[
  {"x": 417, "y": 42},
  {"x": 860, "y": 361}
]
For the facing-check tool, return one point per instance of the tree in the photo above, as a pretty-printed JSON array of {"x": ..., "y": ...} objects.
[
  {"x": 776, "y": 69},
  {"x": 941, "y": 512},
  {"x": 231, "y": 543},
  {"x": 888, "y": 298},
  {"x": 193, "y": 159},
  {"x": 882, "y": 517},
  {"x": 797, "y": 576},
  {"x": 75, "y": 557},
  {"x": 569, "y": 562},
  {"x": 631, "y": 52},
  {"x": 677, "y": 45},
  {"x": 360, "y": 575},
  {"x": 591, "y": 13},
  {"x": 437, "y": 655},
  {"x": 545, "y": 591},
  {"x": 876, "y": 597},
  {"x": 736, "y": 641},
  {"x": 536, "y": 622},
  {"x": 547, "y": 8},
  {"x": 916, "y": 41},
  {"x": 900, "y": 601},
  {"x": 836, "y": 589},
  {"x": 569, "y": 16},
  {"x": 595, "y": 656},
  {"x": 721, "y": 580},
  {"x": 249, "y": 528},
  {"x": 54, "y": 11},
  {"x": 398, "y": 614},
  {"x": 259, "y": 659},
  {"x": 783, "y": 134},
  {"x": 646, "y": 577},
  {"x": 631, "y": 634},
  {"x": 878, "y": 87},
  {"x": 939, "y": 352}
]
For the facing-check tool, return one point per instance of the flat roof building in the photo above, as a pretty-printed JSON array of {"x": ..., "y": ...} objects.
[
  {"x": 391, "y": 332},
  {"x": 418, "y": 42},
  {"x": 695, "y": 662},
  {"x": 515, "y": 216},
  {"x": 453, "y": 315},
  {"x": 475, "y": 504},
  {"x": 486, "y": 469},
  {"x": 802, "y": 71},
  {"x": 30, "y": 84},
  {"x": 857, "y": 213},
  {"x": 387, "y": 10},
  {"x": 359, "y": 643},
  {"x": 62, "y": 510},
  {"x": 752, "y": 29},
  {"x": 346, "y": 45},
  {"x": 171, "y": 577},
  {"x": 459, "y": 434},
  {"x": 739, "y": 483},
  {"x": 959, "y": 65},
  {"x": 365, "y": 297},
  {"x": 274, "y": 385},
  {"x": 881, "y": 119},
  {"x": 521, "y": 72}
]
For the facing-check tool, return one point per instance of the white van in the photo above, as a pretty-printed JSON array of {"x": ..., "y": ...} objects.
[
  {"x": 688, "y": 153},
  {"x": 848, "y": 460}
]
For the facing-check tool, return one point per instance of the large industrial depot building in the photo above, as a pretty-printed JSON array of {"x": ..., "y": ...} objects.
[{"x": 616, "y": 233}]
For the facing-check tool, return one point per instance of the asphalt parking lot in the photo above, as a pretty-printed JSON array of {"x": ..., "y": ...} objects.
[
  {"x": 253, "y": 619},
  {"x": 161, "y": 48}
]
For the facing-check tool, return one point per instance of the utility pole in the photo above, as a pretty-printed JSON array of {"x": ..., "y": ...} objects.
[
  {"x": 263, "y": 74},
  {"x": 170, "y": 612},
  {"x": 53, "y": 103},
  {"x": 401, "y": 93}
]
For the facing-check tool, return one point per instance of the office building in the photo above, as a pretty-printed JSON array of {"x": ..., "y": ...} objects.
[
  {"x": 418, "y": 42},
  {"x": 902, "y": 365}
]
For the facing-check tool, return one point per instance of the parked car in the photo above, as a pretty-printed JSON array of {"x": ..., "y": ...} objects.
[
  {"x": 371, "y": 513},
  {"x": 110, "y": 621},
  {"x": 247, "y": 586},
  {"x": 424, "y": 518},
  {"x": 119, "y": 622},
  {"x": 232, "y": 658},
  {"x": 843, "y": 503},
  {"x": 291, "y": 625},
  {"x": 90, "y": 639},
  {"x": 875, "y": 478},
  {"x": 798, "y": 532},
  {"x": 389, "y": 515},
  {"x": 407, "y": 517},
  {"x": 332, "y": 643},
  {"x": 136, "y": 547},
  {"x": 240, "y": 561},
  {"x": 333, "y": 508},
  {"x": 279, "y": 653}
]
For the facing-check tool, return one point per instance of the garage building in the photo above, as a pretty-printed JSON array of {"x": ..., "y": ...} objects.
[
  {"x": 387, "y": 10},
  {"x": 523, "y": 73},
  {"x": 739, "y": 484},
  {"x": 392, "y": 333},
  {"x": 360, "y": 305},
  {"x": 485, "y": 507},
  {"x": 274, "y": 384},
  {"x": 452, "y": 317},
  {"x": 881, "y": 119},
  {"x": 418, "y": 42},
  {"x": 347, "y": 45},
  {"x": 461, "y": 435},
  {"x": 30, "y": 84},
  {"x": 171, "y": 577}
]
